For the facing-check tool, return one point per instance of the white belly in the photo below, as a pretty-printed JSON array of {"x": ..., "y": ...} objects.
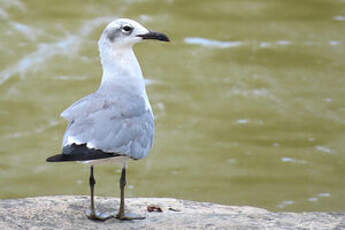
[{"x": 118, "y": 159}]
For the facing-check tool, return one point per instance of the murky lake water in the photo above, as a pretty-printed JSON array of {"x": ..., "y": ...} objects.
[{"x": 248, "y": 98}]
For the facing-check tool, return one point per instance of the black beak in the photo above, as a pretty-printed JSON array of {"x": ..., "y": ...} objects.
[{"x": 154, "y": 35}]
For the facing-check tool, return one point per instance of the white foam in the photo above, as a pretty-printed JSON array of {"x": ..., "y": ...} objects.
[
  {"x": 212, "y": 43},
  {"x": 292, "y": 160},
  {"x": 323, "y": 149},
  {"x": 285, "y": 203},
  {"x": 17, "y": 4},
  {"x": 242, "y": 121},
  {"x": 44, "y": 52},
  {"x": 89, "y": 25},
  {"x": 26, "y": 30},
  {"x": 68, "y": 45},
  {"x": 283, "y": 42},
  {"x": 265, "y": 44},
  {"x": 325, "y": 194},
  {"x": 339, "y": 18},
  {"x": 3, "y": 14},
  {"x": 334, "y": 43},
  {"x": 67, "y": 78},
  {"x": 313, "y": 199}
]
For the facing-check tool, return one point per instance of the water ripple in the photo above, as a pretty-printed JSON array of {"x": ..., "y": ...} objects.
[
  {"x": 325, "y": 194},
  {"x": 262, "y": 44},
  {"x": 324, "y": 149},
  {"x": 68, "y": 45},
  {"x": 73, "y": 78},
  {"x": 3, "y": 14},
  {"x": 339, "y": 18},
  {"x": 283, "y": 42},
  {"x": 13, "y": 3},
  {"x": 211, "y": 43},
  {"x": 38, "y": 130},
  {"x": 285, "y": 203},
  {"x": 27, "y": 31},
  {"x": 44, "y": 52},
  {"x": 313, "y": 199},
  {"x": 292, "y": 160}
]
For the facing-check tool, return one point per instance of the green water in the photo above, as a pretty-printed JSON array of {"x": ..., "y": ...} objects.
[{"x": 248, "y": 99}]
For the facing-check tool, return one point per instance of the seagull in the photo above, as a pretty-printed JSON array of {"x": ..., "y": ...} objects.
[{"x": 116, "y": 122}]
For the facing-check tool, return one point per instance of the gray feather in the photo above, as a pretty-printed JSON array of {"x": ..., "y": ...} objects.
[{"x": 116, "y": 122}]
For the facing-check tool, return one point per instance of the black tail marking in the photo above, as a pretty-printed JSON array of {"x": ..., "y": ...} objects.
[{"x": 81, "y": 152}]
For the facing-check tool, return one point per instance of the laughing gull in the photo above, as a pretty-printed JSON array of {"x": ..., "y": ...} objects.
[{"x": 115, "y": 123}]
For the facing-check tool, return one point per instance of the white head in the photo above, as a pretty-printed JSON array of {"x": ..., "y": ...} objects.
[
  {"x": 124, "y": 33},
  {"x": 115, "y": 47}
]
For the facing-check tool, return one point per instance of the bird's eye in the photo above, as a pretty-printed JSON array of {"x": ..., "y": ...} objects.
[{"x": 127, "y": 28}]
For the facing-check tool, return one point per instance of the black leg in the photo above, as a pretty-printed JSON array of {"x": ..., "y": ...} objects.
[
  {"x": 121, "y": 214},
  {"x": 92, "y": 183},
  {"x": 122, "y": 188},
  {"x": 92, "y": 214}
]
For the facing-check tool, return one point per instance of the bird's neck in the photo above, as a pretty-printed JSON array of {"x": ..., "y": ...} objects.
[{"x": 121, "y": 68}]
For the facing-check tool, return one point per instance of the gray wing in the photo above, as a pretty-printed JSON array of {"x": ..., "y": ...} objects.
[{"x": 121, "y": 123}]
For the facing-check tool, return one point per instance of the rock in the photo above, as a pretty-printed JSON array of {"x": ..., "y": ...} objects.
[{"x": 67, "y": 212}]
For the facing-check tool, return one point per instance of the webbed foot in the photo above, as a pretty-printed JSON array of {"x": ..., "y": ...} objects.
[
  {"x": 97, "y": 216},
  {"x": 129, "y": 217}
]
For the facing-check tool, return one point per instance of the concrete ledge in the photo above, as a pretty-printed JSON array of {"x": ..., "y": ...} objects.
[{"x": 67, "y": 212}]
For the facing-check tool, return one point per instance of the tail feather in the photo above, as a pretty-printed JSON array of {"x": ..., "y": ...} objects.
[{"x": 81, "y": 152}]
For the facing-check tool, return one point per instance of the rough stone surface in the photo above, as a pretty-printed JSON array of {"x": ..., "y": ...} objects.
[{"x": 67, "y": 212}]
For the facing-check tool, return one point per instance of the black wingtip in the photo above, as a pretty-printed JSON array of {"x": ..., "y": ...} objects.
[
  {"x": 81, "y": 152},
  {"x": 58, "y": 158}
]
